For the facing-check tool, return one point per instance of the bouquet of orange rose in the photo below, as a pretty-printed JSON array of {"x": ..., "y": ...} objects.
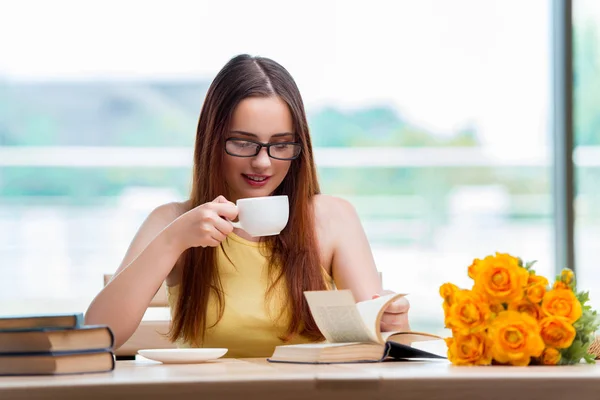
[{"x": 512, "y": 316}]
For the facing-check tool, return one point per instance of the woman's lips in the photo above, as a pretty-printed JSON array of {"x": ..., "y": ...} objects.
[{"x": 256, "y": 180}]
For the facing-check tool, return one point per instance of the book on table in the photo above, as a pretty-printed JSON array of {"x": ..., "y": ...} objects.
[
  {"x": 47, "y": 321},
  {"x": 57, "y": 363},
  {"x": 54, "y": 344},
  {"x": 352, "y": 333}
]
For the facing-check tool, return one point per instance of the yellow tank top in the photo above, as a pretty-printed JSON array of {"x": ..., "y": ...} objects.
[{"x": 251, "y": 324}]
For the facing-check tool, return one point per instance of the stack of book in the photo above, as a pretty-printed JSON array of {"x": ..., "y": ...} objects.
[{"x": 54, "y": 344}]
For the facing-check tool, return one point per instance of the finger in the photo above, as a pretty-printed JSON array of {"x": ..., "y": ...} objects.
[
  {"x": 224, "y": 226},
  {"x": 217, "y": 235},
  {"x": 221, "y": 199},
  {"x": 226, "y": 210},
  {"x": 398, "y": 323},
  {"x": 210, "y": 242},
  {"x": 398, "y": 306},
  {"x": 394, "y": 319},
  {"x": 395, "y": 328}
]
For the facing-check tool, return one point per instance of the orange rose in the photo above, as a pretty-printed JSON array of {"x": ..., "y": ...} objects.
[
  {"x": 447, "y": 291},
  {"x": 474, "y": 268},
  {"x": 469, "y": 349},
  {"x": 500, "y": 279},
  {"x": 469, "y": 313},
  {"x": 535, "y": 293},
  {"x": 497, "y": 308},
  {"x": 536, "y": 288},
  {"x": 507, "y": 256},
  {"x": 557, "y": 332},
  {"x": 565, "y": 281},
  {"x": 527, "y": 307},
  {"x": 560, "y": 285},
  {"x": 567, "y": 276},
  {"x": 516, "y": 338},
  {"x": 533, "y": 279},
  {"x": 562, "y": 303},
  {"x": 550, "y": 356}
]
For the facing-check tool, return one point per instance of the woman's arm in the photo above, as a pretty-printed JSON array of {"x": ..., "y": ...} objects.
[
  {"x": 352, "y": 263},
  {"x": 163, "y": 237},
  {"x": 150, "y": 258}
]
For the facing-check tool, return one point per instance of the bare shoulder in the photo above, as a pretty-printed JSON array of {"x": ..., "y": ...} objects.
[
  {"x": 332, "y": 215},
  {"x": 169, "y": 212},
  {"x": 333, "y": 209},
  {"x": 159, "y": 219},
  {"x": 156, "y": 221}
]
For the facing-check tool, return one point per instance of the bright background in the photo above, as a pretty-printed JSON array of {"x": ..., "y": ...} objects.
[{"x": 431, "y": 117}]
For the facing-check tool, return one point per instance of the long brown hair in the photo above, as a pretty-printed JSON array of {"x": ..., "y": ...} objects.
[{"x": 295, "y": 249}]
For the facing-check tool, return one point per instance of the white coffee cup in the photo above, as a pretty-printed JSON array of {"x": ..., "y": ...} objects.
[{"x": 263, "y": 216}]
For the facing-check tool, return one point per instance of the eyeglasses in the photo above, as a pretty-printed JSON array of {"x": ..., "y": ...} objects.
[{"x": 250, "y": 148}]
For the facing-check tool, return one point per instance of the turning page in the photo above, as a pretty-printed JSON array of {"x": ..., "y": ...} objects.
[
  {"x": 337, "y": 317},
  {"x": 371, "y": 312},
  {"x": 342, "y": 320}
]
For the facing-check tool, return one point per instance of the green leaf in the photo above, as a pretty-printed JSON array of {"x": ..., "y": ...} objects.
[
  {"x": 585, "y": 333},
  {"x": 528, "y": 265}
]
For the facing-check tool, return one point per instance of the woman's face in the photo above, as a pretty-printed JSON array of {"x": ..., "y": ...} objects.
[{"x": 265, "y": 120}]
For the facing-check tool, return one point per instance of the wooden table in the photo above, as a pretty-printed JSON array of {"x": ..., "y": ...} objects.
[{"x": 257, "y": 379}]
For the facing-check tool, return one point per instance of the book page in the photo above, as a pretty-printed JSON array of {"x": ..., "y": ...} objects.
[
  {"x": 371, "y": 312},
  {"x": 337, "y": 317},
  {"x": 408, "y": 338}
]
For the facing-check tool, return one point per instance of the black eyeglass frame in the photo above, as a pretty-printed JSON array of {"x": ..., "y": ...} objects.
[{"x": 260, "y": 146}]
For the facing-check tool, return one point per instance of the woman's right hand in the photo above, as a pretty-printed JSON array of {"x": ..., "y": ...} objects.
[{"x": 206, "y": 225}]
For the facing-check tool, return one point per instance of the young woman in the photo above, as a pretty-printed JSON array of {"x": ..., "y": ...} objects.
[{"x": 226, "y": 288}]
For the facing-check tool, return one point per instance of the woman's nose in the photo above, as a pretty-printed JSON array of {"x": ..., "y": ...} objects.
[{"x": 262, "y": 159}]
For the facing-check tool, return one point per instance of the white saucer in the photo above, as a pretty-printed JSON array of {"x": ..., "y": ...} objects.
[{"x": 182, "y": 356}]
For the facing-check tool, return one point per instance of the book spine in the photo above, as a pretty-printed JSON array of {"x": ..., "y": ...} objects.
[{"x": 56, "y": 353}]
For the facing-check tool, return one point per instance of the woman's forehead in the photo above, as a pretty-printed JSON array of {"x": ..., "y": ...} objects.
[{"x": 262, "y": 117}]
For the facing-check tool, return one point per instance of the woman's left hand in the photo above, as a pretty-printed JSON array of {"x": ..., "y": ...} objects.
[{"x": 395, "y": 316}]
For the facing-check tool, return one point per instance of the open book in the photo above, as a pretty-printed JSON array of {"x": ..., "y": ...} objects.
[{"x": 352, "y": 332}]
